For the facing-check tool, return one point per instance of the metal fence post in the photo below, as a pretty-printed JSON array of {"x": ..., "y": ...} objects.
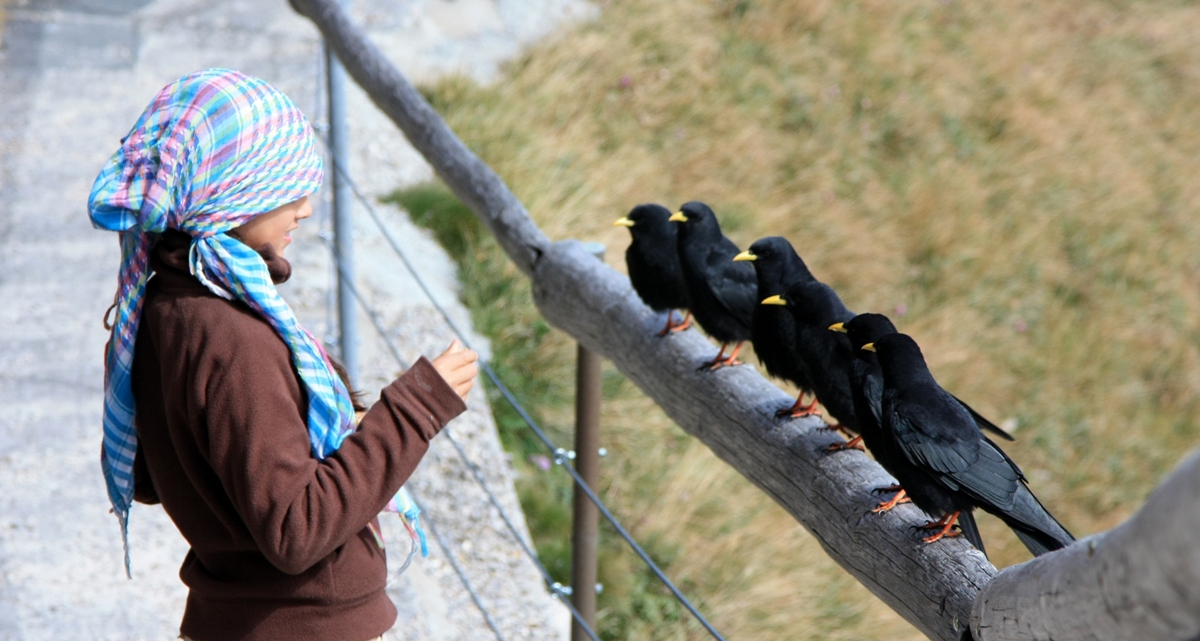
[
  {"x": 343, "y": 225},
  {"x": 585, "y": 535}
]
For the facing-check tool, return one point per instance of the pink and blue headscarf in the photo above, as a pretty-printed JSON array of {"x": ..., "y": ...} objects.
[{"x": 211, "y": 151}]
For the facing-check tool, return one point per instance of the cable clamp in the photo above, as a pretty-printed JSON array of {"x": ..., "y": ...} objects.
[{"x": 561, "y": 456}]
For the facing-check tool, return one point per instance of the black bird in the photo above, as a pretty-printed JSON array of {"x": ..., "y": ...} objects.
[
  {"x": 867, "y": 381},
  {"x": 827, "y": 358},
  {"x": 773, "y": 330},
  {"x": 960, "y": 468},
  {"x": 868, "y": 399},
  {"x": 867, "y": 328},
  {"x": 653, "y": 262},
  {"x": 720, "y": 291}
]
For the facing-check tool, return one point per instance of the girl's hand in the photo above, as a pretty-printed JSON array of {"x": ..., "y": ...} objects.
[{"x": 457, "y": 366}]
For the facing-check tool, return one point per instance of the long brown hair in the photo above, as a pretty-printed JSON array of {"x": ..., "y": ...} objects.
[{"x": 356, "y": 396}]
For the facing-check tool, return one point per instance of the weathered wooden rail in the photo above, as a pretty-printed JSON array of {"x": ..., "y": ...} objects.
[{"x": 732, "y": 411}]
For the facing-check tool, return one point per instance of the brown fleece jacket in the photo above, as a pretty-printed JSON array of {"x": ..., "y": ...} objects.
[{"x": 279, "y": 544}]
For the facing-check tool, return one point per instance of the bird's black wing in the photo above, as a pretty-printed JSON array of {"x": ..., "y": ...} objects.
[
  {"x": 993, "y": 481},
  {"x": 733, "y": 284},
  {"x": 872, "y": 388},
  {"x": 984, "y": 423},
  {"x": 931, "y": 435},
  {"x": 1018, "y": 508},
  {"x": 935, "y": 434},
  {"x": 940, "y": 436}
]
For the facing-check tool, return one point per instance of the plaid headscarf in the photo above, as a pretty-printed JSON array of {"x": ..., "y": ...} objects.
[{"x": 211, "y": 151}]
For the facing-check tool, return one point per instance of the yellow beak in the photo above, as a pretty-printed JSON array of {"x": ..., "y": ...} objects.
[
  {"x": 746, "y": 255},
  {"x": 623, "y": 222},
  {"x": 870, "y": 347},
  {"x": 774, "y": 300},
  {"x": 838, "y": 327},
  {"x": 678, "y": 217}
]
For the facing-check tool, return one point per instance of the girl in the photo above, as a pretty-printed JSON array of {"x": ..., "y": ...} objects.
[{"x": 218, "y": 404}]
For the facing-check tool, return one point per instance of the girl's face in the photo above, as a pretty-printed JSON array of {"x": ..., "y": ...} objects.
[{"x": 274, "y": 227}]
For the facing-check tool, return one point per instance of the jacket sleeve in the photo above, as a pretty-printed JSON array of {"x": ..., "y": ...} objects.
[{"x": 299, "y": 509}]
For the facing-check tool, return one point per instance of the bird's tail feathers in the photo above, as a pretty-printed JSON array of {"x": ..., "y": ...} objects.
[
  {"x": 1035, "y": 526},
  {"x": 1037, "y": 542},
  {"x": 966, "y": 521}
]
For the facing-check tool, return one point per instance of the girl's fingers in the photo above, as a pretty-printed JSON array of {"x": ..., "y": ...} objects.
[
  {"x": 457, "y": 366},
  {"x": 465, "y": 357}
]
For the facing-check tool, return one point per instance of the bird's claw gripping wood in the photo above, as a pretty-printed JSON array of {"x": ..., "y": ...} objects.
[
  {"x": 837, "y": 427},
  {"x": 687, "y": 322},
  {"x": 853, "y": 444},
  {"x": 712, "y": 366},
  {"x": 946, "y": 525},
  {"x": 886, "y": 506},
  {"x": 673, "y": 327},
  {"x": 799, "y": 409},
  {"x": 721, "y": 360}
]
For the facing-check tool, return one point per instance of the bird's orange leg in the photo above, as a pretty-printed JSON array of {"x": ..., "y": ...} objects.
[
  {"x": 672, "y": 326},
  {"x": 799, "y": 409},
  {"x": 724, "y": 361},
  {"x": 670, "y": 321},
  {"x": 947, "y": 528},
  {"x": 732, "y": 360},
  {"x": 687, "y": 322},
  {"x": 714, "y": 363},
  {"x": 853, "y": 444},
  {"x": 901, "y": 497},
  {"x": 838, "y": 428}
]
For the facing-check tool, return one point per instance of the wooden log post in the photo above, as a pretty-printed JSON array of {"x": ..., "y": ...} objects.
[
  {"x": 731, "y": 411},
  {"x": 471, "y": 180},
  {"x": 1135, "y": 582}
]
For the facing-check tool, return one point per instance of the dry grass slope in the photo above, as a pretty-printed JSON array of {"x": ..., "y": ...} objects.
[{"x": 1013, "y": 182}]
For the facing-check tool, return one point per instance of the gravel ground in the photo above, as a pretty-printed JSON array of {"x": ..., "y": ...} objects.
[{"x": 74, "y": 75}]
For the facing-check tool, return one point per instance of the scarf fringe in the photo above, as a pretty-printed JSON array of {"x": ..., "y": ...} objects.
[{"x": 123, "y": 520}]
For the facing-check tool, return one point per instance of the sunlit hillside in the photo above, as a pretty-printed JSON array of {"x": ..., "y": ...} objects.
[{"x": 1013, "y": 182}]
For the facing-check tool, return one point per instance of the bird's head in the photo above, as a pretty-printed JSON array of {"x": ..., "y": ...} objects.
[
  {"x": 645, "y": 217},
  {"x": 899, "y": 351},
  {"x": 768, "y": 249},
  {"x": 865, "y": 329},
  {"x": 814, "y": 304},
  {"x": 777, "y": 263},
  {"x": 790, "y": 298},
  {"x": 694, "y": 212}
]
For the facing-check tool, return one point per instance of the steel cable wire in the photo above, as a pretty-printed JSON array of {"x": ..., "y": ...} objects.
[
  {"x": 559, "y": 453},
  {"x": 462, "y": 575},
  {"x": 555, "y": 588}
]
